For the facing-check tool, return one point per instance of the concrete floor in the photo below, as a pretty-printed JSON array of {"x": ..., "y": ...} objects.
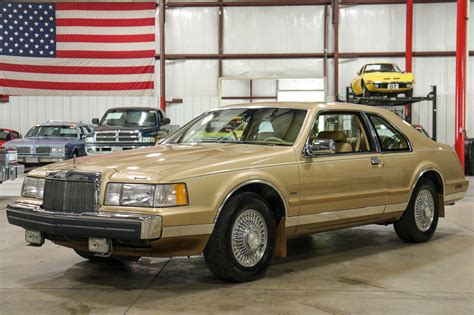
[{"x": 360, "y": 270}]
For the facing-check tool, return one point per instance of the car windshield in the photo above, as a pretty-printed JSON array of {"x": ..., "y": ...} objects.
[
  {"x": 130, "y": 118},
  {"x": 265, "y": 126},
  {"x": 52, "y": 131},
  {"x": 382, "y": 67},
  {"x": 4, "y": 135}
]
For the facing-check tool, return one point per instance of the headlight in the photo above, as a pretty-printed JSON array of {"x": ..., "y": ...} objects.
[
  {"x": 89, "y": 139},
  {"x": 57, "y": 150},
  {"x": 33, "y": 187},
  {"x": 144, "y": 195},
  {"x": 148, "y": 140},
  {"x": 408, "y": 85}
]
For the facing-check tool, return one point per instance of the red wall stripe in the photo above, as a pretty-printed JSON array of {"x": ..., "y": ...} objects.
[
  {"x": 76, "y": 86},
  {"x": 76, "y": 70},
  {"x": 106, "y": 22},
  {"x": 105, "y": 54},
  {"x": 104, "y": 6},
  {"x": 137, "y": 38}
]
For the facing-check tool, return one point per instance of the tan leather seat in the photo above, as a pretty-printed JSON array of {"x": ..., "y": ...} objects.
[{"x": 339, "y": 137}]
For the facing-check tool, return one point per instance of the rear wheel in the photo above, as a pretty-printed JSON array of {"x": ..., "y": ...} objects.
[
  {"x": 420, "y": 219},
  {"x": 242, "y": 244}
]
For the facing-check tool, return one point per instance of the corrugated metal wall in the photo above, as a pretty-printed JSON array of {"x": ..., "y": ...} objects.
[{"x": 276, "y": 30}]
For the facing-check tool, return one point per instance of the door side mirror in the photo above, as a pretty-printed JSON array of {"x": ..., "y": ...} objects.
[
  {"x": 319, "y": 147},
  {"x": 95, "y": 121},
  {"x": 165, "y": 121}
]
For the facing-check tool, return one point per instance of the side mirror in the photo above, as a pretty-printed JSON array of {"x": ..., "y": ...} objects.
[
  {"x": 165, "y": 121},
  {"x": 319, "y": 147},
  {"x": 95, "y": 121},
  {"x": 83, "y": 136}
]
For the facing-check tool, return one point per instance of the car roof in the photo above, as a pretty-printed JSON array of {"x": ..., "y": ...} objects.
[
  {"x": 308, "y": 106},
  {"x": 132, "y": 108},
  {"x": 64, "y": 123},
  {"x": 8, "y": 129}
]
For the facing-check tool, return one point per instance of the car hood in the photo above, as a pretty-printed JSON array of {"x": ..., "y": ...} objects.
[
  {"x": 174, "y": 162},
  {"x": 389, "y": 76},
  {"x": 32, "y": 141}
]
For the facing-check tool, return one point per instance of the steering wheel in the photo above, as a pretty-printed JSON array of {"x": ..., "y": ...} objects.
[
  {"x": 393, "y": 142},
  {"x": 274, "y": 139}
]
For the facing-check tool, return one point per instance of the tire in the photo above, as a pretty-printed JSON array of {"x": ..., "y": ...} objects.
[
  {"x": 365, "y": 91},
  {"x": 469, "y": 156},
  {"x": 227, "y": 240},
  {"x": 409, "y": 94},
  {"x": 406, "y": 227},
  {"x": 99, "y": 259}
]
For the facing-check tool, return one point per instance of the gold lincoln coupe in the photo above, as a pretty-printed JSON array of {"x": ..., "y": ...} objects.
[{"x": 236, "y": 182}]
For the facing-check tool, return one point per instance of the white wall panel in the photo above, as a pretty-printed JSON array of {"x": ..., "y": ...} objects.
[
  {"x": 191, "y": 107},
  {"x": 191, "y": 78},
  {"x": 273, "y": 29},
  {"x": 191, "y": 30},
  {"x": 280, "y": 68},
  {"x": 434, "y": 27},
  {"x": 372, "y": 28}
]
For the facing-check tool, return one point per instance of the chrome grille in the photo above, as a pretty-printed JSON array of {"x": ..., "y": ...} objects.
[
  {"x": 23, "y": 150},
  {"x": 117, "y": 136},
  {"x": 43, "y": 150},
  {"x": 71, "y": 192}
]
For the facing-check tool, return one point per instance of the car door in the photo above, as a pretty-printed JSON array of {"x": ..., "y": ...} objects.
[{"x": 347, "y": 186}]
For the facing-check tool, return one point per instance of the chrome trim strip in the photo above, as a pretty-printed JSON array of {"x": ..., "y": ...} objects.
[
  {"x": 333, "y": 216},
  {"x": 454, "y": 197},
  {"x": 253, "y": 181},
  {"x": 187, "y": 230},
  {"x": 396, "y": 207}
]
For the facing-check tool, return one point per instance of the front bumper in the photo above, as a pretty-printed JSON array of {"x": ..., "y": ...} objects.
[
  {"x": 36, "y": 159},
  {"x": 119, "y": 226},
  {"x": 95, "y": 149},
  {"x": 11, "y": 172},
  {"x": 383, "y": 87}
]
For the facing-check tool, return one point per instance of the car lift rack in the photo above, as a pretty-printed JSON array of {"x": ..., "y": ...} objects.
[{"x": 398, "y": 101}]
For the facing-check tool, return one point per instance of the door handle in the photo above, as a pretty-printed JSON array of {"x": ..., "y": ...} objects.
[{"x": 375, "y": 161}]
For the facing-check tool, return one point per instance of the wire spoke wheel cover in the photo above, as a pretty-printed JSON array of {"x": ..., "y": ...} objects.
[
  {"x": 249, "y": 238},
  {"x": 424, "y": 210}
]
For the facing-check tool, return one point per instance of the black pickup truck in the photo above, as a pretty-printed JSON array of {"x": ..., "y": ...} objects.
[{"x": 125, "y": 128}]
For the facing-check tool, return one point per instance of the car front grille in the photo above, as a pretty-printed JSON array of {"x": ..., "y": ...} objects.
[
  {"x": 23, "y": 150},
  {"x": 117, "y": 136},
  {"x": 43, "y": 150},
  {"x": 71, "y": 192}
]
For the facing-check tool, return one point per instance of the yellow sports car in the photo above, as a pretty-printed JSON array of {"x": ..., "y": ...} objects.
[{"x": 382, "y": 78}]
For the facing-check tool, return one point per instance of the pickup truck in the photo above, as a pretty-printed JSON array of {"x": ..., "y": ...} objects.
[
  {"x": 125, "y": 128},
  {"x": 9, "y": 168}
]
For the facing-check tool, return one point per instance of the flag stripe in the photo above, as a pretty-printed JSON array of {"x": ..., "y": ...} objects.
[
  {"x": 75, "y": 70},
  {"x": 105, "y": 47},
  {"x": 72, "y": 86},
  {"x": 104, "y": 6},
  {"x": 97, "y": 30},
  {"x": 78, "y": 78},
  {"x": 105, "y": 22},
  {"x": 106, "y": 38},
  {"x": 74, "y": 63},
  {"x": 105, "y": 14},
  {"x": 38, "y": 92},
  {"x": 105, "y": 54}
]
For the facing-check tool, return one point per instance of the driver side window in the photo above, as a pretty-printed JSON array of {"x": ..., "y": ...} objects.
[{"x": 390, "y": 138}]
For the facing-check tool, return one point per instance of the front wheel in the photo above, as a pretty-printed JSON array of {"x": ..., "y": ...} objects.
[
  {"x": 420, "y": 219},
  {"x": 242, "y": 244},
  {"x": 365, "y": 91}
]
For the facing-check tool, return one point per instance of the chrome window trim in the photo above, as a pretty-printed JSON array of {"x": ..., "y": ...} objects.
[{"x": 410, "y": 147}]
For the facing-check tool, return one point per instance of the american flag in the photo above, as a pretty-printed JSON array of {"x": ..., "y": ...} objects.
[{"x": 77, "y": 48}]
